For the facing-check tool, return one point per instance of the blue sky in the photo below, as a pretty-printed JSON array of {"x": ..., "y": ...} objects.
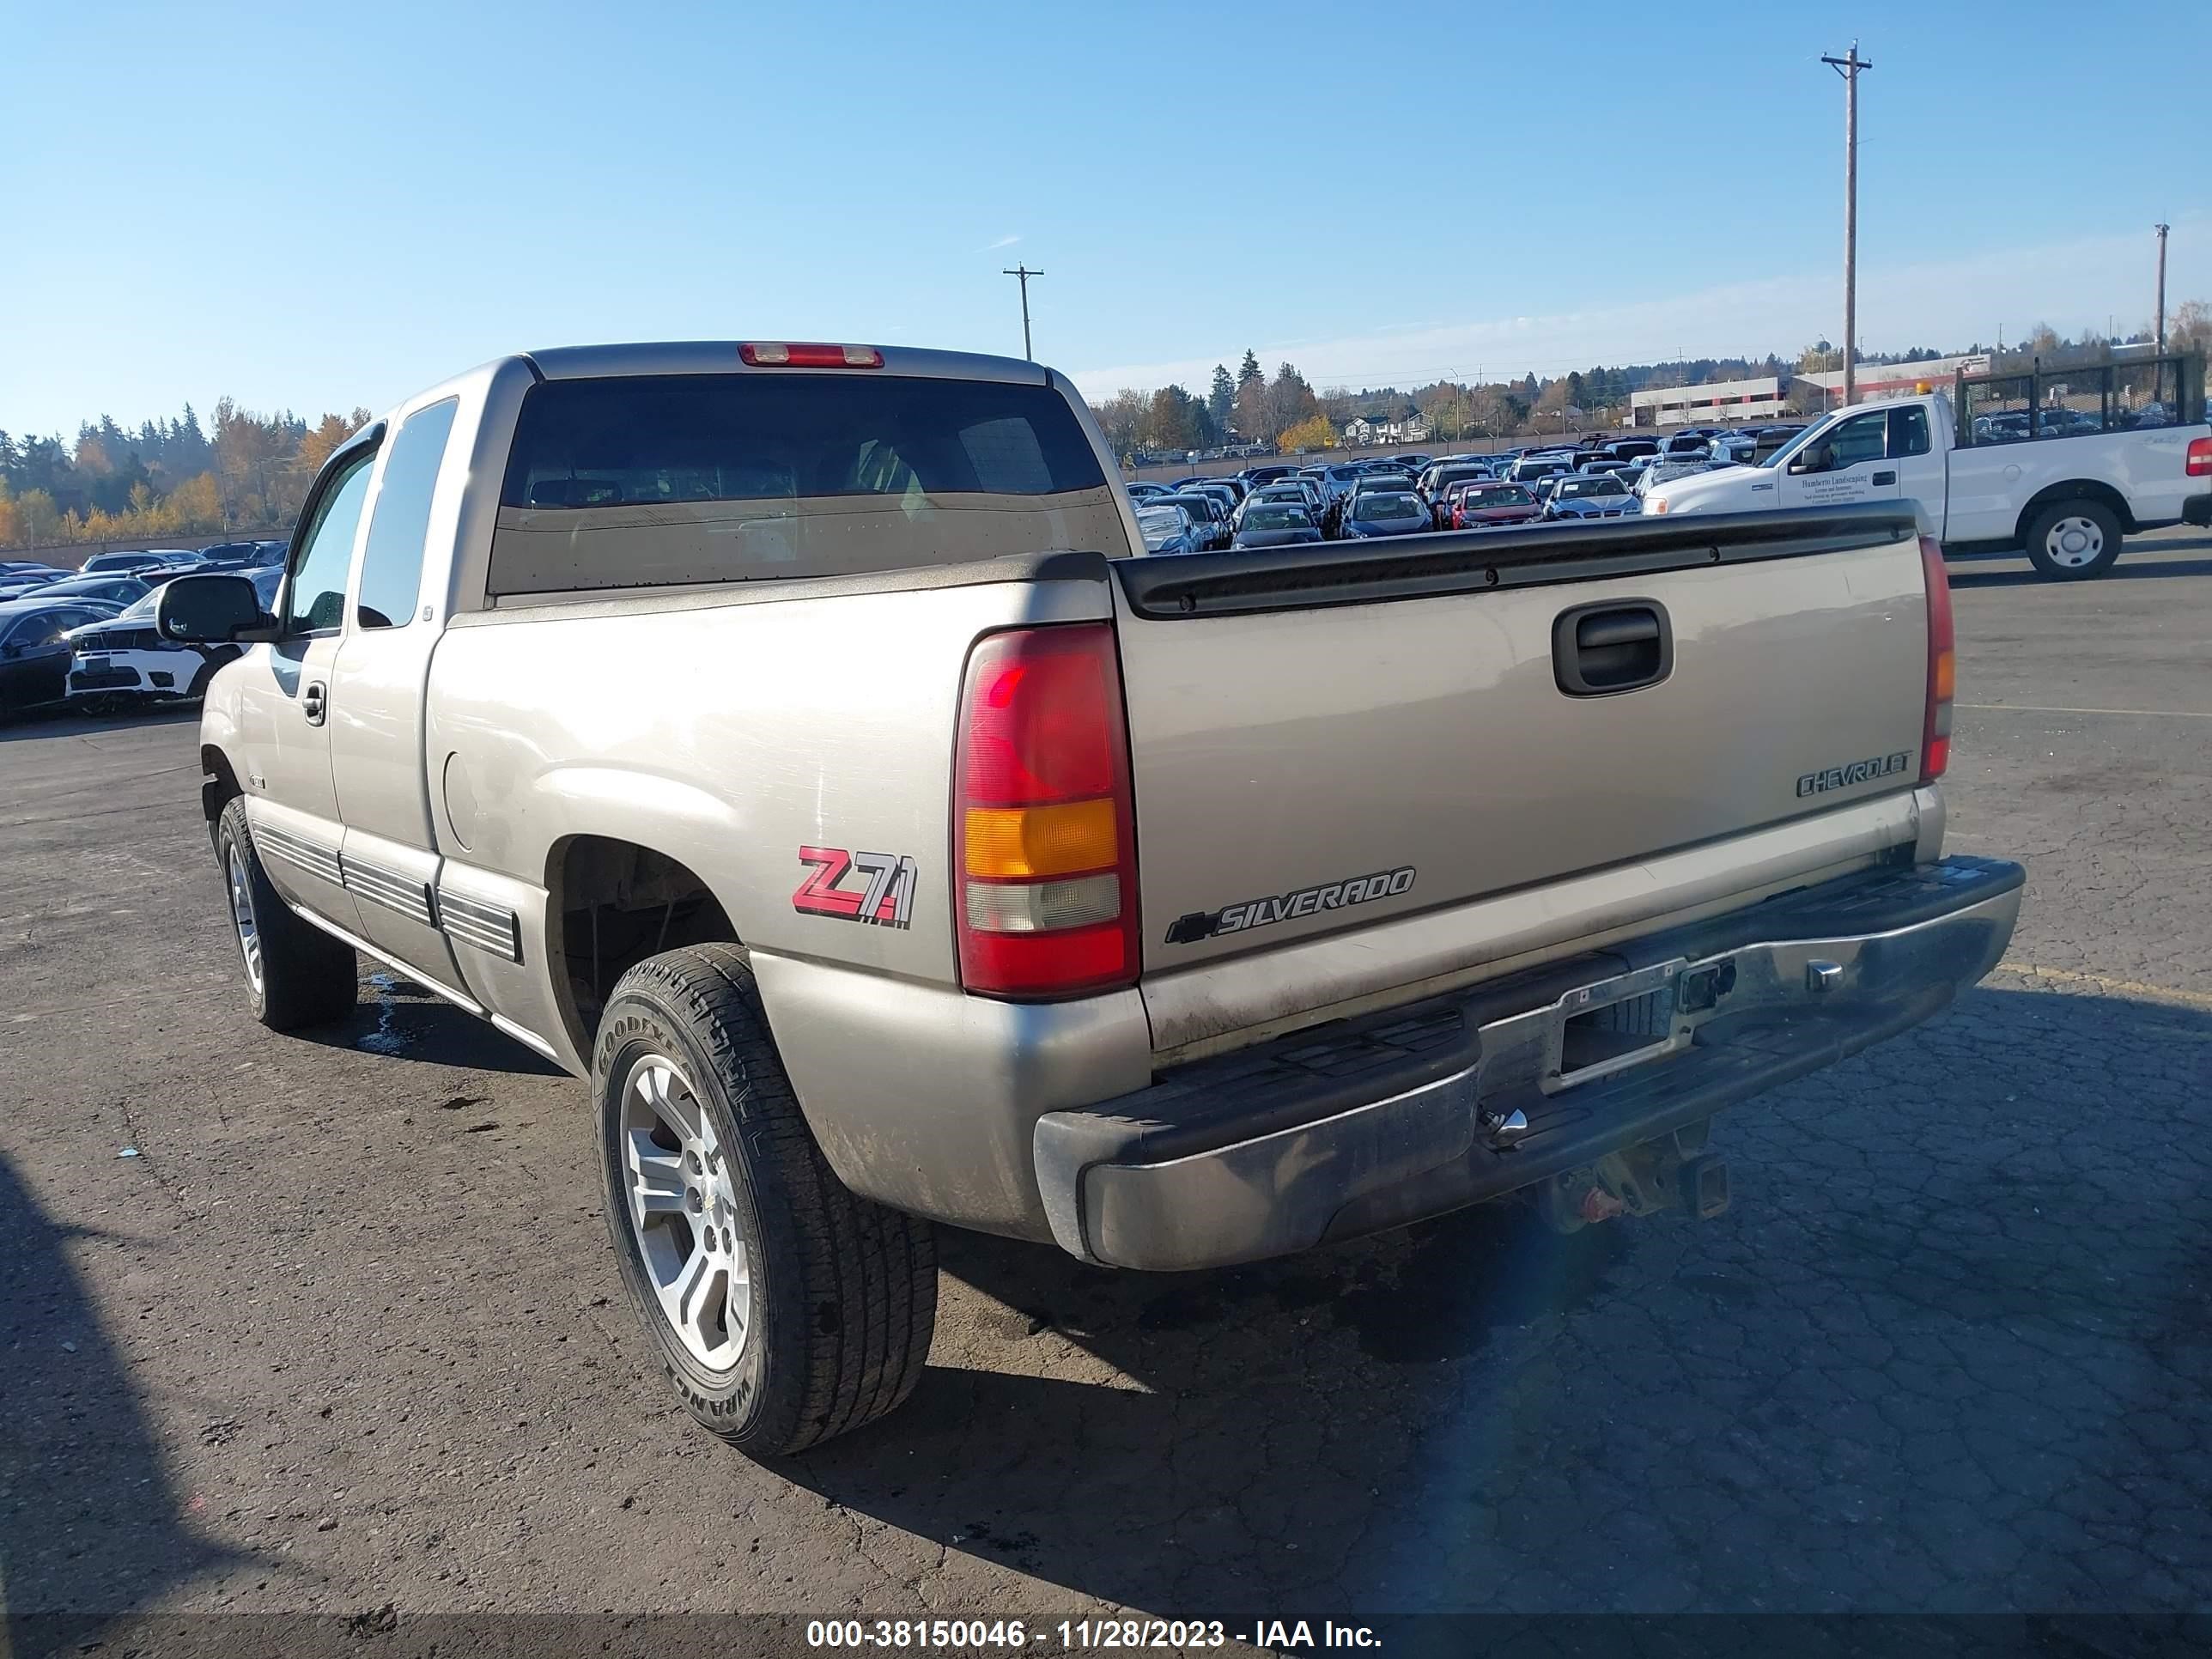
[{"x": 316, "y": 206}]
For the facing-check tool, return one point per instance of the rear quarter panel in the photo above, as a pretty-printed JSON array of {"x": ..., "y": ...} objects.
[
  {"x": 727, "y": 736},
  {"x": 1991, "y": 483}
]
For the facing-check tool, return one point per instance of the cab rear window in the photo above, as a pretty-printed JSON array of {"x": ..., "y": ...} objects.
[
  {"x": 632, "y": 440},
  {"x": 636, "y": 481}
]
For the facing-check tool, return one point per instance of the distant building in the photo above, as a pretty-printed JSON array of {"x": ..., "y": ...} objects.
[
  {"x": 1368, "y": 430},
  {"x": 1714, "y": 401},
  {"x": 1824, "y": 388}
]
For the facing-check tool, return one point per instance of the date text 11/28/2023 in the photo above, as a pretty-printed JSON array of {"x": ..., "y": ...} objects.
[{"x": 1084, "y": 1635}]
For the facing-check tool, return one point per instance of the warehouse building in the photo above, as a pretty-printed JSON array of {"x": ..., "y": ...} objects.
[
  {"x": 1824, "y": 388},
  {"x": 1714, "y": 401}
]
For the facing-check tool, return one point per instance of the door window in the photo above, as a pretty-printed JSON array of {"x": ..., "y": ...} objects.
[
  {"x": 41, "y": 629},
  {"x": 1862, "y": 438},
  {"x": 20, "y": 636},
  {"x": 1908, "y": 432},
  {"x": 391, "y": 566},
  {"x": 314, "y": 600}
]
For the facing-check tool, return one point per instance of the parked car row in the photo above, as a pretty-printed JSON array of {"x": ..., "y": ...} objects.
[
  {"x": 20, "y": 578},
  {"x": 89, "y": 640},
  {"x": 1279, "y": 504}
]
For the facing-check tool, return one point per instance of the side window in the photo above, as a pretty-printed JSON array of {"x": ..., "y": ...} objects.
[
  {"x": 314, "y": 600},
  {"x": 391, "y": 567},
  {"x": 1908, "y": 432},
  {"x": 1861, "y": 438}
]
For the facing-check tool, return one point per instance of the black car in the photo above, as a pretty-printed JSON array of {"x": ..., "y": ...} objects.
[
  {"x": 1587, "y": 495},
  {"x": 19, "y": 580},
  {"x": 109, "y": 588},
  {"x": 1385, "y": 512},
  {"x": 231, "y": 556},
  {"x": 1206, "y": 511},
  {"x": 1275, "y": 524},
  {"x": 124, "y": 564},
  {"x": 35, "y": 649}
]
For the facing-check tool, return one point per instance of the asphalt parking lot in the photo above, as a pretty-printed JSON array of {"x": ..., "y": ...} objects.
[{"x": 345, "y": 1331}]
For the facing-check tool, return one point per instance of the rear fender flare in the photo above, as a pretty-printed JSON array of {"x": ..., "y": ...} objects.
[{"x": 2090, "y": 489}]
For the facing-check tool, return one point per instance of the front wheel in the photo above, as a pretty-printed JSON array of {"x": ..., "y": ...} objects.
[
  {"x": 2073, "y": 541},
  {"x": 784, "y": 1309},
  {"x": 296, "y": 975}
]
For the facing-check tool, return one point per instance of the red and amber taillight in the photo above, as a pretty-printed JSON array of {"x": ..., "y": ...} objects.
[
  {"x": 1044, "y": 831},
  {"x": 1942, "y": 665}
]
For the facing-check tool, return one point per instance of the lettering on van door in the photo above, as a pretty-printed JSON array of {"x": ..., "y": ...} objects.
[{"x": 1836, "y": 487}]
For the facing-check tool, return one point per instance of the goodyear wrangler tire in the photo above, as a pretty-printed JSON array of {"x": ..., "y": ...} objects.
[
  {"x": 296, "y": 975},
  {"x": 784, "y": 1309}
]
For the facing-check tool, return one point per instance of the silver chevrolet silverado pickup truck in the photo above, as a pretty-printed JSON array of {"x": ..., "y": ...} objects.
[{"x": 794, "y": 741}]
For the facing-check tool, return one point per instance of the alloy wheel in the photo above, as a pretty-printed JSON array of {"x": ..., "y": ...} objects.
[
  {"x": 680, "y": 1195},
  {"x": 241, "y": 915}
]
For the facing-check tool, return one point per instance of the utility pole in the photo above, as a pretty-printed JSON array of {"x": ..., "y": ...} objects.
[
  {"x": 1849, "y": 66},
  {"x": 2161, "y": 230},
  {"x": 1024, "y": 273}
]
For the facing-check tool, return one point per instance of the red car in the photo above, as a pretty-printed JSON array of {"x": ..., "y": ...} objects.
[{"x": 1484, "y": 506}]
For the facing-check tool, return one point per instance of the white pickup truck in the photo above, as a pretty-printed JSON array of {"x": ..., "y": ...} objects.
[{"x": 2061, "y": 462}]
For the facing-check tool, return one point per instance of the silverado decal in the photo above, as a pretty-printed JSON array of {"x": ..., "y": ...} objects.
[
  {"x": 1843, "y": 777},
  {"x": 1280, "y": 907},
  {"x": 888, "y": 901}
]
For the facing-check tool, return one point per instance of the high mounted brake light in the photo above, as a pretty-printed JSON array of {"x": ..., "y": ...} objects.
[
  {"x": 1942, "y": 665},
  {"x": 1044, "y": 817},
  {"x": 807, "y": 354}
]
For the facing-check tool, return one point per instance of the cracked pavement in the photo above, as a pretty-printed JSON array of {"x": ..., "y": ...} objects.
[{"x": 347, "y": 1331}]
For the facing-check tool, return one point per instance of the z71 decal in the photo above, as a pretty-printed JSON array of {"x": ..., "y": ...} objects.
[
  {"x": 1282, "y": 907},
  {"x": 887, "y": 900}
]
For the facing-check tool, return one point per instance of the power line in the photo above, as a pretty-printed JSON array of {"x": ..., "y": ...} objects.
[
  {"x": 1849, "y": 66},
  {"x": 1024, "y": 273}
]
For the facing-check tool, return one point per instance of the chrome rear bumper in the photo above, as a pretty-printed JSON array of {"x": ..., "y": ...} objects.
[{"x": 1372, "y": 1122}]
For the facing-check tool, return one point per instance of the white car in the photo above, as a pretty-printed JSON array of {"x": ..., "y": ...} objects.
[
  {"x": 124, "y": 658},
  {"x": 1665, "y": 471}
]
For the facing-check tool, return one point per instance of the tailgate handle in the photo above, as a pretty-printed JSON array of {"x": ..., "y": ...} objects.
[
  {"x": 1598, "y": 650},
  {"x": 1616, "y": 628}
]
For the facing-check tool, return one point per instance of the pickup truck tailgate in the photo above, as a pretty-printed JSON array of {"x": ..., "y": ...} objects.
[{"x": 1322, "y": 736}]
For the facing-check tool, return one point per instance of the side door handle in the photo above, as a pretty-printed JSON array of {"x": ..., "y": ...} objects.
[
  {"x": 314, "y": 701},
  {"x": 1885, "y": 478},
  {"x": 1617, "y": 645}
]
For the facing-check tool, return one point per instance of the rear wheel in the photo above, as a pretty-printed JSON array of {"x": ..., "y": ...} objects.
[
  {"x": 784, "y": 1309},
  {"x": 2072, "y": 541},
  {"x": 296, "y": 975}
]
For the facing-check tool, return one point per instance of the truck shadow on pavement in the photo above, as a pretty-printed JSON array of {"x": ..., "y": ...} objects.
[
  {"x": 57, "y": 722},
  {"x": 1946, "y": 1353},
  {"x": 89, "y": 1525},
  {"x": 399, "y": 1018},
  {"x": 2126, "y": 570}
]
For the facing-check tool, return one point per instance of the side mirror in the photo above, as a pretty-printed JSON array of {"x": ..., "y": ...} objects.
[
  {"x": 210, "y": 611},
  {"x": 1812, "y": 459}
]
